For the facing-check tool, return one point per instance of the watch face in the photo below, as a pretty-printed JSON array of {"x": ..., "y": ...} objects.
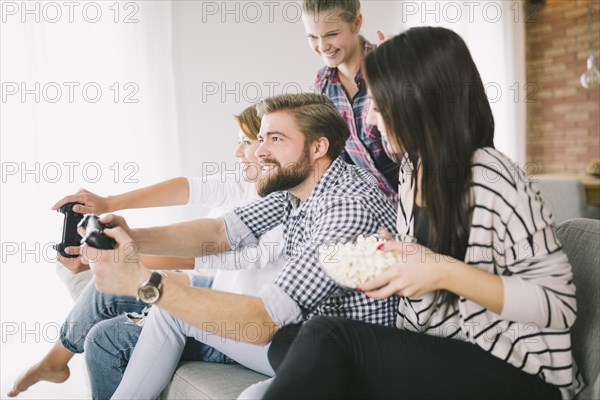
[{"x": 148, "y": 293}]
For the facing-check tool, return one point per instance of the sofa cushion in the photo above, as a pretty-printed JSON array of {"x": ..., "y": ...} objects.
[
  {"x": 201, "y": 380},
  {"x": 564, "y": 196},
  {"x": 581, "y": 242}
]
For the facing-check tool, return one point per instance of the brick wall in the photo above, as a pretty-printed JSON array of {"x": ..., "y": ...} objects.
[{"x": 563, "y": 118}]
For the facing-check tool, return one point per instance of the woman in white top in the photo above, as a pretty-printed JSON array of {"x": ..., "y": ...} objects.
[
  {"x": 486, "y": 296},
  {"x": 97, "y": 316}
]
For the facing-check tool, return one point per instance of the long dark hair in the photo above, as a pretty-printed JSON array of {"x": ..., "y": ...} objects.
[{"x": 435, "y": 109}]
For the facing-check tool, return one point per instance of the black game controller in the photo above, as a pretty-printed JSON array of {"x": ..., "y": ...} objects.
[
  {"x": 70, "y": 237},
  {"x": 94, "y": 233}
]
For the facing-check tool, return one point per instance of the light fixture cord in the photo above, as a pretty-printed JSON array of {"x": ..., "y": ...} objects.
[{"x": 590, "y": 13}]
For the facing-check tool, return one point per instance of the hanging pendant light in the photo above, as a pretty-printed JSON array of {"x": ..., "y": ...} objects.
[{"x": 591, "y": 77}]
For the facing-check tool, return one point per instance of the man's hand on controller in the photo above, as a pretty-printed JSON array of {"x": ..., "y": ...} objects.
[
  {"x": 117, "y": 271},
  {"x": 113, "y": 220}
]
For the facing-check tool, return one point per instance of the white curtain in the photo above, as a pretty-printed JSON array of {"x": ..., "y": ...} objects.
[
  {"x": 87, "y": 101},
  {"x": 134, "y": 132},
  {"x": 495, "y": 34}
]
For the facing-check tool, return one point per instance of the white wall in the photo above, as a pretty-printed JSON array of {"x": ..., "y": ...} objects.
[
  {"x": 49, "y": 138},
  {"x": 248, "y": 50},
  {"x": 171, "y": 131},
  {"x": 243, "y": 56},
  {"x": 495, "y": 34}
]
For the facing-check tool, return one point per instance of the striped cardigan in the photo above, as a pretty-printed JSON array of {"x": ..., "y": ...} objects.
[{"x": 511, "y": 236}]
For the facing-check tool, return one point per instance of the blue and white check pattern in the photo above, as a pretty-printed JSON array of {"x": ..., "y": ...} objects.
[{"x": 345, "y": 203}]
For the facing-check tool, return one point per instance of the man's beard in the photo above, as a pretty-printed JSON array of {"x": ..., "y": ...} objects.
[{"x": 284, "y": 178}]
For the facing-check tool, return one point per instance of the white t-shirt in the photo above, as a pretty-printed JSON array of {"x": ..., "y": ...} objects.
[{"x": 246, "y": 270}]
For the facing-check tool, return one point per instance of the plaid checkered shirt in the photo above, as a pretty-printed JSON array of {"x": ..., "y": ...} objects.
[
  {"x": 365, "y": 147},
  {"x": 345, "y": 203}
]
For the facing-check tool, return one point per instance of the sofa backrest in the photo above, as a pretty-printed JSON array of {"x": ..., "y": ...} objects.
[
  {"x": 580, "y": 239},
  {"x": 565, "y": 196}
]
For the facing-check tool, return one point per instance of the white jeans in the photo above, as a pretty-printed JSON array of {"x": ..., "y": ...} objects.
[{"x": 158, "y": 351}]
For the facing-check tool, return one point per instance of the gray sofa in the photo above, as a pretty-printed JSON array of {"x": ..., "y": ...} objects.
[
  {"x": 581, "y": 241},
  {"x": 566, "y": 197},
  {"x": 201, "y": 380}
]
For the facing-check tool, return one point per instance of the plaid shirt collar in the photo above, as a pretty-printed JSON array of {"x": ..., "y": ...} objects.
[
  {"x": 343, "y": 204},
  {"x": 331, "y": 73},
  {"x": 328, "y": 180}
]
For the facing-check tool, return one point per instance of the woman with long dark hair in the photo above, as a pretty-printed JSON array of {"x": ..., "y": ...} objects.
[{"x": 486, "y": 296}]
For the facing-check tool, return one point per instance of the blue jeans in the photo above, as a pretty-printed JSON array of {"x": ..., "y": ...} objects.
[{"x": 100, "y": 325}]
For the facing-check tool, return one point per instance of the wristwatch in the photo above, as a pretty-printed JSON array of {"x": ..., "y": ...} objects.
[{"x": 149, "y": 292}]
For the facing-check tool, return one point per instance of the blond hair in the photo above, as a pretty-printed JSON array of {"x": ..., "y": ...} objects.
[
  {"x": 249, "y": 122},
  {"x": 349, "y": 9}
]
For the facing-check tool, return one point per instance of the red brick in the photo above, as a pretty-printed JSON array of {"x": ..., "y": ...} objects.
[
  {"x": 566, "y": 124},
  {"x": 560, "y": 108},
  {"x": 577, "y": 131},
  {"x": 575, "y": 13},
  {"x": 563, "y": 125},
  {"x": 588, "y": 123},
  {"x": 554, "y": 52},
  {"x": 565, "y": 92},
  {"x": 575, "y": 149},
  {"x": 575, "y": 99},
  {"x": 539, "y": 30},
  {"x": 589, "y": 106},
  {"x": 576, "y": 30},
  {"x": 583, "y": 55},
  {"x": 564, "y": 59},
  {"x": 577, "y": 116},
  {"x": 567, "y": 42}
]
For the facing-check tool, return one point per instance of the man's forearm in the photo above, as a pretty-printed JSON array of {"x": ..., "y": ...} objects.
[
  {"x": 228, "y": 315},
  {"x": 167, "y": 262},
  {"x": 188, "y": 239}
]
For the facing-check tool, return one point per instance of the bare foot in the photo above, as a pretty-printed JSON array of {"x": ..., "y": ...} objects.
[{"x": 39, "y": 372}]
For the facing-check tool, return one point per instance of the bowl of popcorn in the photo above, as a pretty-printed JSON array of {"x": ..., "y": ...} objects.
[{"x": 354, "y": 262}]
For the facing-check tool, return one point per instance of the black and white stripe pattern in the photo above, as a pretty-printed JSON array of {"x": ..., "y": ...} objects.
[
  {"x": 345, "y": 203},
  {"x": 511, "y": 236}
]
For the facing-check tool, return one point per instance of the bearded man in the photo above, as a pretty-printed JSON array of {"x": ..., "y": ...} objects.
[{"x": 309, "y": 189}]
